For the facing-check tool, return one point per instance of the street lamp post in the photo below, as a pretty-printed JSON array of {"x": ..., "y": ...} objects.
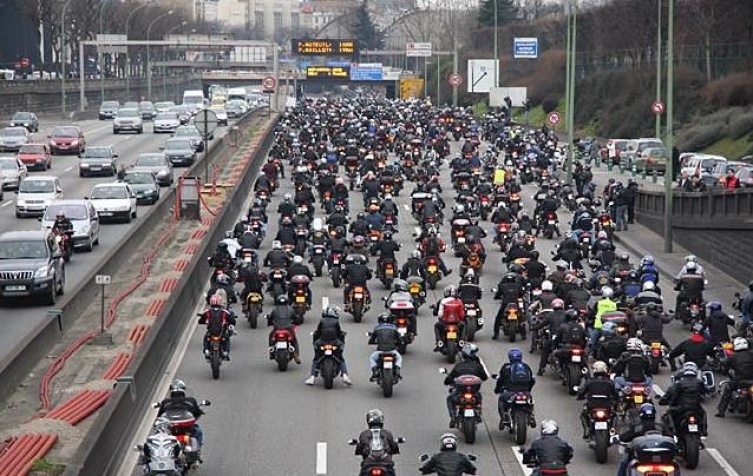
[
  {"x": 669, "y": 174},
  {"x": 62, "y": 55},
  {"x": 658, "y": 66},
  {"x": 164, "y": 58},
  {"x": 128, "y": 58},
  {"x": 148, "y": 57},
  {"x": 100, "y": 56},
  {"x": 496, "y": 53},
  {"x": 573, "y": 33}
]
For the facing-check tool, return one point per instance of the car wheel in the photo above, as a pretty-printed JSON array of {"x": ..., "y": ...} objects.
[
  {"x": 135, "y": 213},
  {"x": 115, "y": 132},
  {"x": 129, "y": 217},
  {"x": 95, "y": 239},
  {"x": 89, "y": 247},
  {"x": 141, "y": 131},
  {"x": 81, "y": 174},
  {"x": 52, "y": 295},
  {"x": 18, "y": 215}
]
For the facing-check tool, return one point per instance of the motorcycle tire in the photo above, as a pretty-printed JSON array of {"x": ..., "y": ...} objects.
[
  {"x": 432, "y": 279},
  {"x": 215, "y": 360},
  {"x": 318, "y": 264},
  {"x": 512, "y": 332},
  {"x": 298, "y": 314},
  {"x": 357, "y": 311},
  {"x": 692, "y": 448},
  {"x": 282, "y": 359},
  {"x": 402, "y": 346},
  {"x": 749, "y": 411},
  {"x": 520, "y": 424},
  {"x": 387, "y": 283},
  {"x": 654, "y": 367},
  {"x": 328, "y": 373},
  {"x": 601, "y": 446},
  {"x": 548, "y": 233},
  {"x": 336, "y": 277},
  {"x": 388, "y": 380},
  {"x": 451, "y": 351},
  {"x": 572, "y": 377},
  {"x": 469, "y": 429},
  {"x": 470, "y": 330},
  {"x": 252, "y": 315}
]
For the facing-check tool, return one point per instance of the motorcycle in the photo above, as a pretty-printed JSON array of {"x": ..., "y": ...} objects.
[
  {"x": 390, "y": 224},
  {"x": 485, "y": 207},
  {"x": 301, "y": 237},
  {"x": 254, "y": 305},
  {"x": 689, "y": 439},
  {"x": 519, "y": 416},
  {"x": 162, "y": 457},
  {"x": 654, "y": 455},
  {"x": 375, "y": 468},
  {"x": 351, "y": 170},
  {"x": 300, "y": 293},
  {"x": 183, "y": 427},
  {"x": 742, "y": 399},
  {"x": 282, "y": 349},
  {"x": 657, "y": 355},
  {"x": 634, "y": 395},
  {"x": 458, "y": 233},
  {"x": 318, "y": 254},
  {"x": 251, "y": 239},
  {"x": 691, "y": 311},
  {"x": 572, "y": 366},
  {"x": 450, "y": 343},
  {"x": 387, "y": 376},
  {"x": 357, "y": 303},
  {"x": 512, "y": 325},
  {"x": 215, "y": 353},
  {"x": 503, "y": 235},
  {"x": 550, "y": 225},
  {"x": 64, "y": 240},
  {"x": 474, "y": 319},
  {"x": 433, "y": 274},
  {"x": 601, "y": 425},
  {"x": 375, "y": 236},
  {"x": 387, "y": 272},
  {"x": 328, "y": 365},
  {"x": 514, "y": 203},
  {"x": 467, "y": 411},
  {"x": 277, "y": 284},
  {"x": 417, "y": 290},
  {"x": 335, "y": 269}
]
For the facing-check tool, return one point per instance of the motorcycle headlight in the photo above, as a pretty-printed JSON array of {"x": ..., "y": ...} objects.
[
  {"x": 74, "y": 142},
  {"x": 41, "y": 272}
]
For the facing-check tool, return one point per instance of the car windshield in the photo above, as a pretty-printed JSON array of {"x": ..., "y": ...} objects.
[
  {"x": 177, "y": 145},
  {"x": 130, "y": 105},
  {"x": 150, "y": 161},
  {"x": 97, "y": 153},
  {"x": 8, "y": 164},
  {"x": 103, "y": 193},
  {"x": 166, "y": 116},
  {"x": 645, "y": 145},
  {"x": 128, "y": 113},
  {"x": 73, "y": 212},
  {"x": 37, "y": 186},
  {"x": 32, "y": 149},
  {"x": 186, "y": 132},
  {"x": 65, "y": 132},
  {"x": 28, "y": 249},
  {"x": 110, "y": 104},
  {"x": 139, "y": 178},
  {"x": 14, "y": 132},
  {"x": 146, "y": 106},
  {"x": 22, "y": 116},
  {"x": 711, "y": 163}
]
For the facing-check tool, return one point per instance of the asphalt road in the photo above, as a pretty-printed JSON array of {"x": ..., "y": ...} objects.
[
  {"x": 20, "y": 317},
  {"x": 262, "y": 421}
]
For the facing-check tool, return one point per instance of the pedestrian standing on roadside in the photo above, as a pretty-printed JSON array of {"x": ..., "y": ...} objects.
[
  {"x": 621, "y": 207},
  {"x": 632, "y": 194}
]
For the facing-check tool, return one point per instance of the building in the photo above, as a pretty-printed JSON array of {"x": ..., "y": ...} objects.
[{"x": 263, "y": 19}]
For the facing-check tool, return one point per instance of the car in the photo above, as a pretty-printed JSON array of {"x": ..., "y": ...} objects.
[
  {"x": 234, "y": 108},
  {"x": 147, "y": 110},
  {"x": 114, "y": 201},
  {"x": 165, "y": 122},
  {"x": 98, "y": 160},
  {"x": 164, "y": 106},
  {"x": 653, "y": 159},
  {"x": 82, "y": 215},
  {"x": 695, "y": 164},
  {"x": 180, "y": 152},
  {"x": 185, "y": 113},
  {"x": 31, "y": 265},
  {"x": 130, "y": 105},
  {"x": 191, "y": 133},
  {"x": 67, "y": 140},
  {"x": 108, "y": 110},
  {"x": 635, "y": 147},
  {"x": 144, "y": 184},
  {"x": 158, "y": 164},
  {"x": 221, "y": 115},
  {"x": 745, "y": 175},
  {"x": 12, "y": 138},
  {"x": 36, "y": 156},
  {"x": 28, "y": 120},
  {"x": 128, "y": 120},
  {"x": 12, "y": 171},
  {"x": 615, "y": 148},
  {"x": 35, "y": 193}
]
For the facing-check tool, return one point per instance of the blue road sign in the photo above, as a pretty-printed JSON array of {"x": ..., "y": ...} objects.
[
  {"x": 526, "y": 48},
  {"x": 366, "y": 73}
]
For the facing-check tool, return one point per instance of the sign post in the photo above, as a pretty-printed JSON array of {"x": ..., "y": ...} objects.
[
  {"x": 268, "y": 84},
  {"x": 206, "y": 122},
  {"x": 418, "y": 50},
  {"x": 553, "y": 119},
  {"x": 103, "y": 280}
]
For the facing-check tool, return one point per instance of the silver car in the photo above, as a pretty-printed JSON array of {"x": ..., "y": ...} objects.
[
  {"x": 98, "y": 160},
  {"x": 179, "y": 152},
  {"x": 12, "y": 138},
  {"x": 12, "y": 171},
  {"x": 166, "y": 122},
  {"x": 158, "y": 164},
  {"x": 82, "y": 215},
  {"x": 128, "y": 120}
]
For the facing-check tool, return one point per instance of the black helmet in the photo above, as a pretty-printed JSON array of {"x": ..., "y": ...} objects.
[
  {"x": 511, "y": 278},
  {"x": 177, "y": 388},
  {"x": 384, "y": 318},
  {"x": 571, "y": 315},
  {"x": 374, "y": 418},
  {"x": 534, "y": 255},
  {"x": 750, "y": 285}
]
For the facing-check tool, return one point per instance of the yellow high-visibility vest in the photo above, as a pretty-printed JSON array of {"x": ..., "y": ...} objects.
[{"x": 603, "y": 306}]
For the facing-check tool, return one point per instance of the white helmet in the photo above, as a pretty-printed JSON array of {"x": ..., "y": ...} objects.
[
  {"x": 317, "y": 225},
  {"x": 607, "y": 292},
  {"x": 600, "y": 367},
  {"x": 547, "y": 285},
  {"x": 388, "y": 196},
  {"x": 649, "y": 286},
  {"x": 549, "y": 427},
  {"x": 297, "y": 259},
  {"x": 276, "y": 245},
  {"x": 740, "y": 343},
  {"x": 634, "y": 344}
]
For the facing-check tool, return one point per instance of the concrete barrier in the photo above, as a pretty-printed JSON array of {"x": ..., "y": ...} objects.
[
  {"x": 28, "y": 352},
  {"x": 116, "y": 423}
]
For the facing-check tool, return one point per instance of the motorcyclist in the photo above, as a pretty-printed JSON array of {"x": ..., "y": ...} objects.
[
  {"x": 450, "y": 310},
  {"x": 599, "y": 392},
  {"x": 509, "y": 290},
  {"x": 448, "y": 462},
  {"x": 602, "y": 306},
  {"x": 360, "y": 227},
  {"x": 471, "y": 364},
  {"x": 376, "y": 445},
  {"x": 717, "y": 324},
  {"x": 468, "y": 289},
  {"x": 286, "y": 233},
  {"x": 648, "y": 295},
  {"x": 287, "y": 207},
  {"x": 400, "y": 293},
  {"x": 696, "y": 267},
  {"x": 570, "y": 333},
  {"x": 388, "y": 207},
  {"x": 283, "y": 317},
  {"x": 545, "y": 299},
  {"x": 386, "y": 337},
  {"x": 695, "y": 349},
  {"x": 276, "y": 257},
  {"x": 514, "y": 376},
  {"x": 61, "y": 223},
  {"x": 552, "y": 321},
  {"x": 356, "y": 273},
  {"x": 328, "y": 331},
  {"x": 685, "y": 396},
  {"x": 746, "y": 310},
  {"x": 632, "y": 366},
  {"x": 647, "y": 270},
  {"x": 413, "y": 266},
  {"x": 647, "y": 423},
  {"x": 569, "y": 251},
  {"x": 652, "y": 323},
  {"x": 549, "y": 205},
  {"x": 178, "y": 400},
  {"x": 386, "y": 248},
  {"x": 219, "y": 321},
  {"x": 690, "y": 285},
  {"x": 621, "y": 266},
  {"x": 578, "y": 296},
  {"x": 535, "y": 269},
  {"x": 221, "y": 258},
  {"x": 742, "y": 366},
  {"x": 337, "y": 218},
  {"x": 298, "y": 268},
  {"x": 251, "y": 278},
  {"x": 548, "y": 450},
  {"x": 317, "y": 236},
  {"x": 222, "y": 282}
]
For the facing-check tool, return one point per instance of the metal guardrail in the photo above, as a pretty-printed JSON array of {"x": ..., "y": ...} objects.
[
  {"x": 716, "y": 208},
  {"x": 45, "y": 86}
]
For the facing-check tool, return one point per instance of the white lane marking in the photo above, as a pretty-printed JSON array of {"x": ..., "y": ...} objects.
[
  {"x": 6, "y": 204},
  {"x": 407, "y": 207},
  {"x": 325, "y": 302},
  {"x": 518, "y": 456},
  {"x": 321, "y": 458},
  {"x": 69, "y": 168},
  {"x": 726, "y": 467}
]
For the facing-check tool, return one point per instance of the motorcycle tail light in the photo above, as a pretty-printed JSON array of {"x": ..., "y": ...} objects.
[
  {"x": 577, "y": 350},
  {"x": 656, "y": 352},
  {"x": 401, "y": 322},
  {"x": 658, "y": 469},
  {"x": 638, "y": 389},
  {"x": 601, "y": 414},
  {"x": 184, "y": 439},
  {"x": 376, "y": 472},
  {"x": 521, "y": 397},
  {"x": 468, "y": 396}
]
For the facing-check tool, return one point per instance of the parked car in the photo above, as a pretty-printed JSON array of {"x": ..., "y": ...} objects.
[
  {"x": 98, "y": 160},
  {"x": 28, "y": 120},
  {"x": 82, "y": 215},
  {"x": 108, "y": 110},
  {"x": 128, "y": 120},
  {"x": 67, "y": 140},
  {"x": 35, "y": 156},
  {"x": 615, "y": 148},
  {"x": 180, "y": 152},
  {"x": 114, "y": 201},
  {"x": 147, "y": 110},
  {"x": 31, "y": 265},
  {"x": 221, "y": 115},
  {"x": 745, "y": 175},
  {"x": 157, "y": 164},
  {"x": 635, "y": 147},
  {"x": 13, "y": 138},
  {"x": 696, "y": 164},
  {"x": 144, "y": 184},
  {"x": 35, "y": 193},
  {"x": 165, "y": 122},
  {"x": 191, "y": 133},
  {"x": 653, "y": 159},
  {"x": 12, "y": 171},
  {"x": 716, "y": 176}
]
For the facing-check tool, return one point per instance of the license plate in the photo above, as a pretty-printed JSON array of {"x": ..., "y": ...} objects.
[
  {"x": 281, "y": 345},
  {"x": 469, "y": 412},
  {"x": 255, "y": 298},
  {"x": 600, "y": 425},
  {"x": 471, "y": 312},
  {"x": 551, "y": 222},
  {"x": 432, "y": 269},
  {"x": 336, "y": 261},
  {"x": 388, "y": 364},
  {"x": 452, "y": 335},
  {"x": 105, "y": 214},
  {"x": 328, "y": 352},
  {"x": 512, "y": 317},
  {"x": 693, "y": 428},
  {"x": 638, "y": 399},
  {"x": 575, "y": 358},
  {"x": 19, "y": 287},
  {"x": 415, "y": 289},
  {"x": 358, "y": 296},
  {"x": 389, "y": 272},
  {"x": 278, "y": 275},
  {"x": 461, "y": 239},
  {"x": 480, "y": 321},
  {"x": 300, "y": 299},
  {"x": 402, "y": 331}
]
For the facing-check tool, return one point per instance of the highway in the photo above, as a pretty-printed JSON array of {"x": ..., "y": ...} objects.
[
  {"x": 262, "y": 421},
  {"x": 20, "y": 317}
]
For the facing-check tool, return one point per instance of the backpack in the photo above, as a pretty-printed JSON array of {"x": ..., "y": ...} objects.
[
  {"x": 520, "y": 373},
  {"x": 377, "y": 446}
]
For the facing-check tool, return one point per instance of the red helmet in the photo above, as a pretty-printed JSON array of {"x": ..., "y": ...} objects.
[{"x": 215, "y": 300}]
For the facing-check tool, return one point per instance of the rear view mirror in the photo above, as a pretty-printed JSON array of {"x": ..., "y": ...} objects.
[
  {"x": 352, "y": 442},
  {"x": 423, "y": 457}
]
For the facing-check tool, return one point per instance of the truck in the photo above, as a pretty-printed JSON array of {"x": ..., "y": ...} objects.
[{"x": 194, "y": 98}]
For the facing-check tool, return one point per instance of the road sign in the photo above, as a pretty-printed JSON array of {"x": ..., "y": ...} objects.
[
  {"x": 411, "y": 88},
  {"x": 366, "y": 72},
  {"x": 268, "y": 84},
  {"x": 553, "y": 118},
  {"x": 106, "y": 46},
  {"x": 206, "y": 123},
  {"x": 526, "y": 48},
  {"x": 657, "y": 107},
  {"x": 103, "y": 279},
  {"x": 418, "y": 49},
  {"x": 481, "y": 75},
  {"x": 455, "y": 79}
]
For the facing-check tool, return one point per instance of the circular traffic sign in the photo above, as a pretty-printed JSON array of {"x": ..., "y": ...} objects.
[
  {"x": 206, "y": 123},
  {"x": 657, "y": 107},
  {"x": 553, "y": 118},
  {"x": 455, "y": 80},
  {"x": 269, "y": 83}
]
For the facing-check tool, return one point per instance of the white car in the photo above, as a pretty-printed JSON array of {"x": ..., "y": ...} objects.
[
  {"x": 35, "y": 194},
  {"x": 128, "y": 120},
  {"x": 221, "y": 115},
  {"x": 114, "y": 201},
  {"x": 12, "y": 138},
  {"x": 165, "y": 122},
  {"x": 12, "y": 171},
  {"x": 82, "y": 215}
]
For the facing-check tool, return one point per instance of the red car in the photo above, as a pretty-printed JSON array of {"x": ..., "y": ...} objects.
[
  {"x": 35, "y": 156},
  {"x": 67, "y": 140}
]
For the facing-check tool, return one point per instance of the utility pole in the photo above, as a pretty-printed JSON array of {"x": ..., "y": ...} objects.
[
  {"x": 669, "y": 173},
  {"x": 571, "y": 96},
  {"x": 455, "y": 70},
  {"x": 658, "y": 66},
  {"x": 496, "y": 51}
]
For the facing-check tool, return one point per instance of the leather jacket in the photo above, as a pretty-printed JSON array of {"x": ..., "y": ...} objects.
[{"x": 448, "y": 463}]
